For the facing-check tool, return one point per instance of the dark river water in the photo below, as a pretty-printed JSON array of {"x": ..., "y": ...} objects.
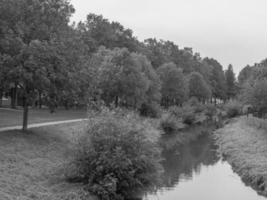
[{"x": 196, "y": 172}]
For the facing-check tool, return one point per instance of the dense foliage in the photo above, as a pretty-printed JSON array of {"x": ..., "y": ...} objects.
[
  {"x": 117, "y": 156},
  {"x": 52, "y": 62},
  {"x": 198, "y": 87},
  {"x": 233, "y": 108},
  {"x": 253, "y": 84}
]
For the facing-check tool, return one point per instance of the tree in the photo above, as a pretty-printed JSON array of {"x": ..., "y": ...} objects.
[
  {"x": 245, "y": 74},
  {"x": 173, "y": 89},
  {"x": 256, "y": 95},
  {"x": 124, "y": 78},
  {"x": 216, "y": 79},
  {"x": 198, "y": 87},
  {"x": 4, "y": 60},
  {"x": 30, "y": 30},
  {"x": 230, "y": 82},
  {"x": 98, "y": 31}
]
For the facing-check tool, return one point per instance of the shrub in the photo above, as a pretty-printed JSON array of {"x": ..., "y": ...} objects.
[
  {"x": 150, "y": 110},
  {"x": 199, "y": 108},
  {"x": 115, "y": 158},
  {"x": 193, "y": 101},
  {"x": 189, "y": 118},
  {"x": 233, "y": 108},
  {"x": 210, "y": 110},
  {"x": 175, "y": 111},
  {"x": 169, "y": 124}
]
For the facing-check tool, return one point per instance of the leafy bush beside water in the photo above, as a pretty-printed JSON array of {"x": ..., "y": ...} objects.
[
  {"x": 117, "y": 156},
  {"x": 169, "y": 123},
  {"x": 233, "y": 108}
]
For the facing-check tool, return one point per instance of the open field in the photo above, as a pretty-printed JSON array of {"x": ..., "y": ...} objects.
[
  {"x": 32, "y": 164},
  {"x": 245, "y": 147},
  {"x": 9, "y": 117}
]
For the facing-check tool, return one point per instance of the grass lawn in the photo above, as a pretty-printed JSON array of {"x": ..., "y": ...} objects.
[
  {"x": 10, "y": 117},
  {"x": 32, "y": 164},
  {"x": 245, "y": 147}
]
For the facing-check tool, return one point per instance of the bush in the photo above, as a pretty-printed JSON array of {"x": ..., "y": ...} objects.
[
  {"x": 150, "y": 110},
  {"x": 115, "y": 158},
  {"x": 210, "y": 110},
  {"x": 169, "y": 124},
  {"x": 193, "y": 101},
  {"x": 175, "y": 111},
  {"x": 189, "y": 118},
  {"x": 199, "y": 108},
  {"x": 233, "y": 108}
]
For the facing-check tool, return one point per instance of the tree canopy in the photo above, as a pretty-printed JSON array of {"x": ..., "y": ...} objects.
[
  {"x": 45, "y": 57},
  {"x": 173, "y": 87},
  {"x": 198, "y": 87}
]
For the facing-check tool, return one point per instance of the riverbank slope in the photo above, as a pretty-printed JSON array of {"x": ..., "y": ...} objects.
[{"x": 244, "y": 146}]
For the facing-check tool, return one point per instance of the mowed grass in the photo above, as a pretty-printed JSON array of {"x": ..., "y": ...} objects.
[
  {"x": 32, "y": 164},
  {"x": 9, "y": 117},
  {"x": 245, "y": 147}
]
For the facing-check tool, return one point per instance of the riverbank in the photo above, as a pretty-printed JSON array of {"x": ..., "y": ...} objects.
[
  {"x": 32, "y": 164},
  {"x": 244, "y": 146}
]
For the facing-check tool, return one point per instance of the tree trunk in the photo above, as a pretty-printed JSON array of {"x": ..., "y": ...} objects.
[
  {"x": 25, "y": 114},
  {"x": 14, "y": 97},
  {"x": 116, "y": 101},
  {"x": 1, "y": 97},
  {"x": 40, "y": 99}
]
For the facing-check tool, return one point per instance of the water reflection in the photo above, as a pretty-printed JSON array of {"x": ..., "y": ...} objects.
[
  {"x": 195, "y": 171},
  {"x": 180, "y": 162}
]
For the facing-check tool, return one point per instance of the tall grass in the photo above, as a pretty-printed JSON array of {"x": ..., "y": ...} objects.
[
  {"x": 258, "y": 123},
  {"x": 244, "y": 144}
]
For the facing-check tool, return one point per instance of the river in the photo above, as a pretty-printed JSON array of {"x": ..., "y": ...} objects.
[{"x": 196, "y": 172}]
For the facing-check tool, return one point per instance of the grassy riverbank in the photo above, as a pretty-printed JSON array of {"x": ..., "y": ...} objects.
[
  {"x": 32, "y": 164},
  {"x": 244, "y": 145}
]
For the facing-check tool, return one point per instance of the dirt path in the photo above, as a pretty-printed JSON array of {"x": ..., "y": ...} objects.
[{"x": 36, "y": 125}]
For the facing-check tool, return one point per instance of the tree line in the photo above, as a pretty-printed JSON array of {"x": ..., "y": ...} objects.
[
  {"x": 252, "y": 82},
  {"x": 46, "y": 59}
]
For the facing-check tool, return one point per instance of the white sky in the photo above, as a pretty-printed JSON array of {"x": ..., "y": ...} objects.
[{"x": 231, "y": 31}]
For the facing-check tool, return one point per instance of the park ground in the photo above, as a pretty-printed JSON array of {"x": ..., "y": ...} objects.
[
  {"x": 243, "y": 142},
  {"x": 32, "y": 164},
  {"x": 12, "y": 117}
]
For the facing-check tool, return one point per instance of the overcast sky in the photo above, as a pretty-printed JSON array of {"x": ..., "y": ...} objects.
[{"x": 231, "y": 31}]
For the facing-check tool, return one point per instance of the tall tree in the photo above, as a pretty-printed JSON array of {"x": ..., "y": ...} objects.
[
  {"x": 124, "y": 78},
  {"x": 245, "y": 74},
  {"x": 30, "y": 29},
  {"x": 173, "y": 89},
  {"x": 198, "y": 87},
  {"x": 99, "y": 31},
  {"x": 216, "y": 79},
  {"x": 231, "y": 88},
  {"x": 256, "y": 95}
]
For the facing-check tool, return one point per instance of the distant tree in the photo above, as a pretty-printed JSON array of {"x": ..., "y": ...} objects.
[
  {"x": 153, "y": 94},
  {"x": 245, "y": 74},
  {"x": 125, "y": 79},
  {"x": 198, "y": 87},
  {"x": 98, "y": 31},
  {"x": 256, "y": 95},
  {"x": 216, "y": 79},
  {"x": 4, "y": 70},
  {"x": 160, "y": 52},
  {"x": 231, "y": 88},
  {"x": 29, "y": 31},
  {"x": 173, "y": 89},
  {"x": 153, "y": 49}
]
